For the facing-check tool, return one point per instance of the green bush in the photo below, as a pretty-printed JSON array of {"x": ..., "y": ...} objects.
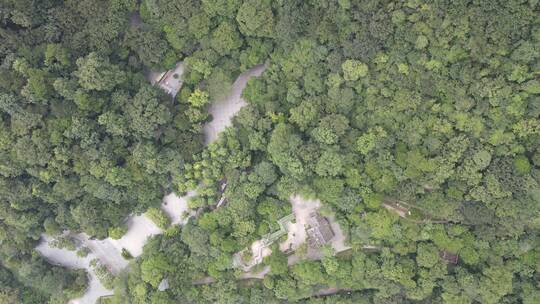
[
  {"x": 126, "y": 254},
  {"x": 117, "y": 232},
  {"x": 522, "y": 165},
  {"x": 105, "y": 277},
  {"x": 83, "y": 252},
  {"x": 159, "y": 217}
]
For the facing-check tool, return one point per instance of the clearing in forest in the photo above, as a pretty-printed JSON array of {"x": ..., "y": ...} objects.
[{"x": 304, "y": 225}]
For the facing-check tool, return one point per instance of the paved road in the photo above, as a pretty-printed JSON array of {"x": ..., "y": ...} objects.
[{"x": 224, "y": 110}]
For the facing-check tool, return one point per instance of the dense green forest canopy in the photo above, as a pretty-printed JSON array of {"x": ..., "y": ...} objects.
[{"x": 363, "y": 103}]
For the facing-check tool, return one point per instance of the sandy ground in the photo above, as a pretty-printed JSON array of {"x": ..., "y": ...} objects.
[
  {"x": 297, "y": 233},
  {"x": 293, "y": 259},
  {"x": 176, "y": 207},
  {"x": 69, "y": 259},
  {"x": 95, "y": 291},
  {"x": 259, "y": 251},
  {"x": 140, "y": 228},
  {"x": 302, "y": 208},
  {"x": 105, "y": 251},
  {"x": 296, "y": 236},
  {"x": 338, "y": 241},
  {"x": 223, "y": 110},
  {"x": 57, "y": 256},
  {"x": 108, "y": 251}
]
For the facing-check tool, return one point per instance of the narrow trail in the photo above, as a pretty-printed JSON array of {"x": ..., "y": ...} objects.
[
  {"x": 330, "y": 291},
  {"x": 402, "y": 209},
  {"x": 245, "y": 276}
]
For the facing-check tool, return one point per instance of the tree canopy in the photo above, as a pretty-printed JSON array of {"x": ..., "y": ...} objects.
[{"x": 415, "y": 123}]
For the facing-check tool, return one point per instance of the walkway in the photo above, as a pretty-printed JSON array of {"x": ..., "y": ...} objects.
[
  {"x": 223, "y": 110},
  {"x": 259, "y": 249},
  {"x": 169, "y": 81}
]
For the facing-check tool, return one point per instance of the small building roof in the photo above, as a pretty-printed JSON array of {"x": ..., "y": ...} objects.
[
  {"x": 163, "y": 285},
  {"x": 325, "y": 228}
]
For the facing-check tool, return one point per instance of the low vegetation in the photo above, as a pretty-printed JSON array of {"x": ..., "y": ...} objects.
[{"x": 159, "y": 217}]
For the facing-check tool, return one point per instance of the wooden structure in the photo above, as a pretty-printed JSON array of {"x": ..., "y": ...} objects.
[
  {"x": 255, "y": 256},
  {"x": 319, "y": 231}
]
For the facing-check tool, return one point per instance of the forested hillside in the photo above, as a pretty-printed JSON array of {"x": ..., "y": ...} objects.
[{"x": 371, "y": 106}]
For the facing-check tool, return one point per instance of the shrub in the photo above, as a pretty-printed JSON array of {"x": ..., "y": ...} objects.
[
  {"x": 158, "y": 217},
  {"x": 126, "y": 254}
]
